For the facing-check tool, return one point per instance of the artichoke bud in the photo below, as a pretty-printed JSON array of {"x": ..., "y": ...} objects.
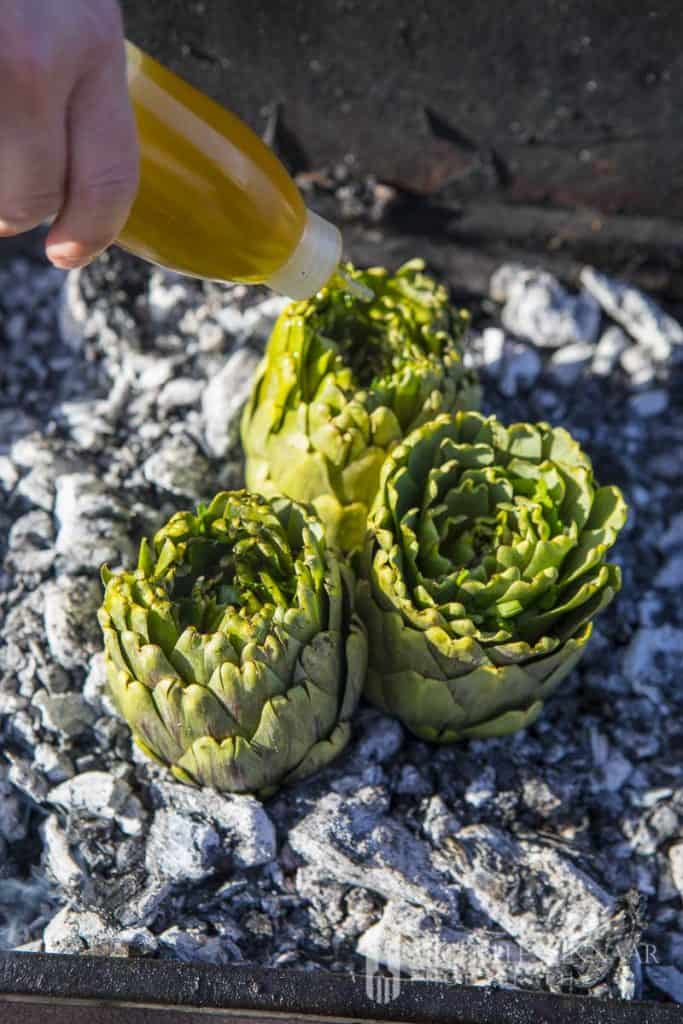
[
  {"x": 483, "y": 567},
  {"x": 366, "y": 374},
  {"x": 230, "y": 610}
]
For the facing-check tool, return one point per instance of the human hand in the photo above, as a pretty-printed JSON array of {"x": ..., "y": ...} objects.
[{"x": 68, "y": 145}]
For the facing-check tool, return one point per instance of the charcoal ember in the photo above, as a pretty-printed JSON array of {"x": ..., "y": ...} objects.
[
  {"x": 67, "y": 714},
  {"x": 195, "y": 945},
  {"x": 53, "y": 763},
  {"x": 652, "y": 655},
  {"x": 537, "y": 896},
  {"x": 511, "y": 366},
  {"x": 649, "y": 404},
  {"x": 606, "y": 955},
  {"x": 182, "y": 850},
  {"x": 41, "y": 461},
  {"x": 101, "y": 796},
  {"x": 13, "y": 817},
  {"x": 246, "y": 831},
  {"x": 568, "y": 364},
  {"x": 30, "y": 544},
  {"x": 71, "y": 628},
  {"x": 354, "y": 841},
  {"x": 378, "y": 738},
  {"x": 87, "y": 932},
  {"x": 26, "y": 906}
]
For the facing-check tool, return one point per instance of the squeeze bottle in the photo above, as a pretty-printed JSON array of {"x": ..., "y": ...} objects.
[{"x": 213, "y": 200}]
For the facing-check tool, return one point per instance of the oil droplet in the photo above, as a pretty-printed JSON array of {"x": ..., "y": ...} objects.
[{"x": 355, "y": 288}]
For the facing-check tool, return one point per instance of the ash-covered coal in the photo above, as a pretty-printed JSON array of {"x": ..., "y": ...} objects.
[{"x": 550, "y": 859}]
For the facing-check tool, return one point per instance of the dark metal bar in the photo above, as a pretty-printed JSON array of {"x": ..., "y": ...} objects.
[{"x": 39, "y": 989}]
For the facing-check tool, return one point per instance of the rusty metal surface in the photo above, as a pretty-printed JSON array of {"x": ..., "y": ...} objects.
[
  {"x": 567, "y": 102},
  {"x": 39, "y": 989}
]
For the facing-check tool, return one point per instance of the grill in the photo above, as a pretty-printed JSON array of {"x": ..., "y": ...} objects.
[{"x": 80, "y": 990}]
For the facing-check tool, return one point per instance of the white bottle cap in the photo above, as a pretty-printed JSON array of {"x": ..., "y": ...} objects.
[{"x": 312, "y": 263}]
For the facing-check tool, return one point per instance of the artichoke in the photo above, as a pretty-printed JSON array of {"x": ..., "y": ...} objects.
[
  {"x": 233, "y": 651},
  {"x": 482, "y": 569},
  {"x": 342, "y": 381}
]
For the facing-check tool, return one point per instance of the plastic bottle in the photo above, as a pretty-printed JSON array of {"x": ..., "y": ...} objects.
[{"x": 214, "y": 201}]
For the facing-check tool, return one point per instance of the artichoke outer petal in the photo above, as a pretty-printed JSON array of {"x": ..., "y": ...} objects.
[
  {"x": 137, "y": 703},
  {"x": 502, "y": 725},
  {"x": 322, "y": 753}
]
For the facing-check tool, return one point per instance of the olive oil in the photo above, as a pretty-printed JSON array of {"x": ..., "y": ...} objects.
[{"x": 213, "y": 200}]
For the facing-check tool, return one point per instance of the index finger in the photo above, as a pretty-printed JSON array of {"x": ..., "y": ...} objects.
[{"x": 102, "y": 166}]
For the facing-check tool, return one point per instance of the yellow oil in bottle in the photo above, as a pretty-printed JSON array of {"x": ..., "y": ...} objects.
[{"x": 213, "y": 200}]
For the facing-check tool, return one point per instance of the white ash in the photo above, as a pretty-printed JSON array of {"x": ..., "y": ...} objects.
[
  {"x": 60, "y": 860},
  {"x": 670, "y": 576},
  {"x": 676, "y": 865},
  {"x": 612, "y": 343},
  {"x": 106, "y": 432},
  {"x": 223, "y": 398},
  {"x": 638, "y": 365},
  {"x": 515, "y": 366},
  {"x": 567, "y": 364},
  {"x": 179, "y": 468},
  {"x": 409, "y": 939},
  {"x": 196, "y": 945},
  {"x": 439, "y": 821},
  {"x": 644, "y": 320},
  {"x": 538, "y": 308}
]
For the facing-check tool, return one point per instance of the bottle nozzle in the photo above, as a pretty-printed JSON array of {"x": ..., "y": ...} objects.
[{"x": 313, "y": 262}]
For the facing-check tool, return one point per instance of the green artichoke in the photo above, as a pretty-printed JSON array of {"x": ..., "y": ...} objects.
[
  {"x": 342, "y": 381},
  {"x": 482, "y": 569},
  {"x": 233, "y": 651}
]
